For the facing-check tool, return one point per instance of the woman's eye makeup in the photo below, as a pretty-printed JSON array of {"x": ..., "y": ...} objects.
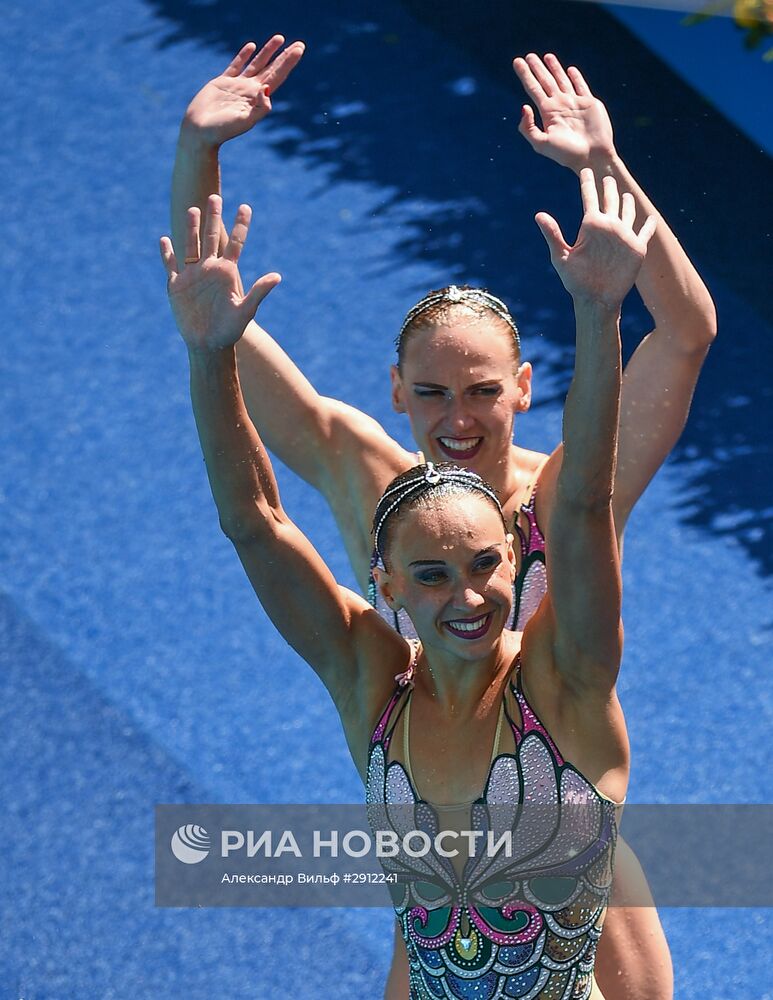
[
  {"x": 488, "y": 562},
  {"x": 430, "y": 576},
  {"x": 438, "y": 574},
  {"x": 427, "y": 391}
]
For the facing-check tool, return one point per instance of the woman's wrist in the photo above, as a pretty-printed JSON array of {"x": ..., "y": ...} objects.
[
  {"x": 595, "y": 310},
  {"x": 211, "y": 357},
  {"x": 196, "y": 141},
  {"x": 603, "y": 162}
]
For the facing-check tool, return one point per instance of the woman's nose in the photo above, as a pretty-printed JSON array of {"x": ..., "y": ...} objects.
[
  {"x": 458, "y": 416},
  {"x": 469, "y": 599}
]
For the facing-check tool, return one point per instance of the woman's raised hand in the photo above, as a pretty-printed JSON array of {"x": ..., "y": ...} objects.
[
  {"x": 604, "y": 262},
  {"x": 233, "y": 102},
  {"x": 576, "y": 129},
  {"x": 206, "y": 295}
]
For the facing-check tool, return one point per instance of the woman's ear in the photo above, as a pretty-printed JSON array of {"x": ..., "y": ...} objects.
[
  {"x": 523, "y": 377},
  {"x": 511, "y": 554},
  {"x": 398, "y": 391},
  {"x": 385, "y": 584}
]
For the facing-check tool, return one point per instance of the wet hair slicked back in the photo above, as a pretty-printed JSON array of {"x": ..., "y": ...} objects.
[
  {"x": 436, "y": 306},
  {"x": 423, "y": 486}
]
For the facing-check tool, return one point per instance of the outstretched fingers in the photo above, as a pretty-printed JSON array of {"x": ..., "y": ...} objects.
[
  {"x": 266, "y": 54},
  {"x": 647, "y": 231},
  {"x": 529, "y": 82},
  {"x": 578, "y": 82},
  {"x": 611, "y": 196},
  {"x": 590, "y": 196},
  {"x": 628, "y": 211},
  {"x": 238, "y": 237},
  {"x": 542, "y": 74},
  {"x": 563, "y": 82},
  {"x": 213, "y": 223},
  {"x": 284, "y": 64},
  {"x": 529, "y": 128},
  {"x": 168, "y": 256},
  {"x": 240, "y": 60},
  {"x": 554, "y": 238},
  {"x": 192, "y": 242},
  {"x": 257, "y": 293}
]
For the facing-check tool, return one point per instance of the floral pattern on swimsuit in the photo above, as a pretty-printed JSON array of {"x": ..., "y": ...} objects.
[
  {"x": 529, "y": 586},
  {"x": 523, "y": 923}
]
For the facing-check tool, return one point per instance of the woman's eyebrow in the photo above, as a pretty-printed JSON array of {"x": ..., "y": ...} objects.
[
  {"x": 493, "y": 548},
  {"x": 429, "y": 385}
]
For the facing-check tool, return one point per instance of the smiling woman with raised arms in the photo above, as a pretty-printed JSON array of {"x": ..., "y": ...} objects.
[
  {"x": 495, "y": 712},
  {"x": 461, "y": 380}
]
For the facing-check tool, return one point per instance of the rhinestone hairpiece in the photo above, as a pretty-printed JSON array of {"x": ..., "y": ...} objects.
[
  {"x": 454, "y": 295},
  {"x": 431, "y": 477}
]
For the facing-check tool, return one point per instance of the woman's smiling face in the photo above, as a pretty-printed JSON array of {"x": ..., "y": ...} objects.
[
  {"x": 451, "y": 567},
  {"x": 461, "y": 387}
]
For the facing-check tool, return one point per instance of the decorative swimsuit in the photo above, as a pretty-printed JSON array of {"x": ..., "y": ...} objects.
[
  {"x": 523, "y": 926},
  {"x": 519, "y": 924}
]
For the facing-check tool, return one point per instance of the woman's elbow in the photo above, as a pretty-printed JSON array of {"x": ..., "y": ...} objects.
[
  {"x": 703, "y": 324},
  {"x": 247, "y": 526}
]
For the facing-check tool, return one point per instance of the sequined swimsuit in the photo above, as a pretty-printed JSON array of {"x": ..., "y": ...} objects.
[
  {"x": 529, "y": 585},
  {"x": 520, "y": 926}
]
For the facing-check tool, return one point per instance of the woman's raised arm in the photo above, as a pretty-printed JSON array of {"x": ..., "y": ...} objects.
[
  {"x": 329, "y": 626},
  {"x": 583, "y": 564},
  {"x": 327, "y": 444},
  {"x": 659, "y": 380}
]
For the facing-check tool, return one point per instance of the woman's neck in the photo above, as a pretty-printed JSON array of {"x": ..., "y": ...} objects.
[
  {"x": 458, "y": 685},
  {"x": 512, "y": 476}
]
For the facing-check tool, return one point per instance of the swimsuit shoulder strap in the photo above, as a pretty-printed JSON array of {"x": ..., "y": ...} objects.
[
  {"x": 531, "y": 489},
  {"x": 388, "y": 719},
  {"x": 530, "y": 721},
  {"x": 531, "y": 538}
]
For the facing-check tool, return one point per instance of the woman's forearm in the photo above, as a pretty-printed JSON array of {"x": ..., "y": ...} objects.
[
  {"x": 195, "y": 176},
  {"x": 671, "y": 288},
  {"x": 240, "y": 474},
  {"x": 592, "y": 407}
]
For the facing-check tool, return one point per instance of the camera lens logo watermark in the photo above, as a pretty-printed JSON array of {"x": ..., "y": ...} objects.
[{"x": 190, "y": 844}]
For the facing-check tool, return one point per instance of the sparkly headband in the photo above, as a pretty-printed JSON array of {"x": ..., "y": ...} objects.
[
  {"x": 454, "y": 295},
  {"x": 431, "y": 477}
]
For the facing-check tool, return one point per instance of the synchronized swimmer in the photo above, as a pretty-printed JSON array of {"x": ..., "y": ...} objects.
[{"x": 461, "y": 379}]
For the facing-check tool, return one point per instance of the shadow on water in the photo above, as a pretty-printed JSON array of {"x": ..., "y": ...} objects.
[{"x": 383, "y": 102}]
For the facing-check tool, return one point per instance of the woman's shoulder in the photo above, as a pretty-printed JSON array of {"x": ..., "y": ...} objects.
[
  {"x": 529, "y": 466},
  {"x": 539, "y": 474},
  {"x": 529, "y": 461},
  {"x": 386, "y": 659}
]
